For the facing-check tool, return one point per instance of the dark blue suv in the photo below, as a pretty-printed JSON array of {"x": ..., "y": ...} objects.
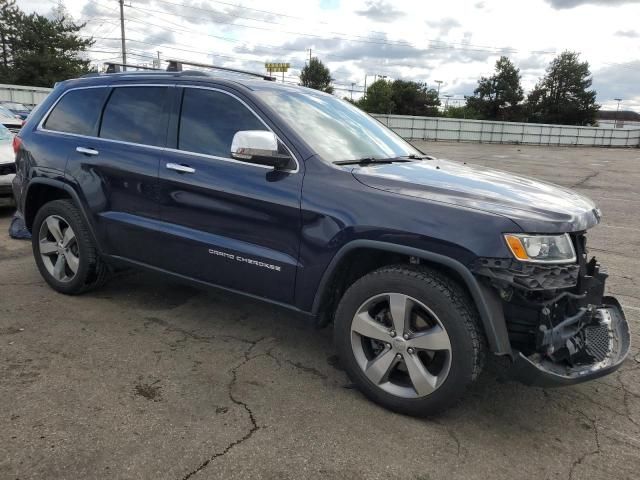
[{"x": 293, "y": 196}]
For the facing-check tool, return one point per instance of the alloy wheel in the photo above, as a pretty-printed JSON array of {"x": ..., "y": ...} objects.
[
  {"x": 401, "y": 345},
  {"x": 59, "y": 248}
]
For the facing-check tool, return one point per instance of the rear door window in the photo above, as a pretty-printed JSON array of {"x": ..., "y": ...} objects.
[
  {"x": 209, "y": 119},
  {"x": 78, "y": 112},
  {"x": 136, "y": 115}
]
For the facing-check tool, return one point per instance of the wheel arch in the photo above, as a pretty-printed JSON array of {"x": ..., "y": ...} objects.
[
  {"x": 43, "y": 190},
  {"x": 485, "y": 299}
]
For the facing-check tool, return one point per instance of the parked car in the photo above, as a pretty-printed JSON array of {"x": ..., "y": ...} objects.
[
  {"x": 423, "y": 266},
  {"x": 10, "y": 121},
  {"x": 7, "y": 167},
  {"x": 19, "y": 109}
]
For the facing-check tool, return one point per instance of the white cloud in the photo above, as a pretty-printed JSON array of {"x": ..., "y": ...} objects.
[{"x": 455, "y": 41}]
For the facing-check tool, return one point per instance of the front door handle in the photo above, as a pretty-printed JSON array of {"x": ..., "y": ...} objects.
[
  {"x": 180, "y": 168},
  {"x": 87, "y": 151}
]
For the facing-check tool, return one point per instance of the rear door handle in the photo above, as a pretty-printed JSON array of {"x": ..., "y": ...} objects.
[
  {"x": 87, "y": 151},
  {"x": 180, "y": 168}
]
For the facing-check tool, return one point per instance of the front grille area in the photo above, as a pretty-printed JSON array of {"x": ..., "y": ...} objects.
[
  {"x": 7, "y": 169},
  {"x": 598, "y": 340}
]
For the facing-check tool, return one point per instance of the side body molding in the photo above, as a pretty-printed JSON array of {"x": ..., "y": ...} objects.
[{"x": 486, "y": 301}]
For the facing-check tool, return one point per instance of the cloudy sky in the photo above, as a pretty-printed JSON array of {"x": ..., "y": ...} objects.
[{"x": 455, "y": 41}]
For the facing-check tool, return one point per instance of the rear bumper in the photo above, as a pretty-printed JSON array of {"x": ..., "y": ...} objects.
[
  {"x": 538, "y": 371},
  {"x": 6, "y": 191}
]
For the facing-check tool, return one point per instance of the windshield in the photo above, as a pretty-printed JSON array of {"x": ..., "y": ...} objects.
[
  {"x": 6, "y": 112},
  {"x": 15, "y": 106},
  {"x": 334, "y": 128},
  {"x": 5, "y": 134}
]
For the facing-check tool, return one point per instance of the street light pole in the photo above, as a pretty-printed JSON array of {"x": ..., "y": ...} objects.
[{"x": 615, "y": 121}]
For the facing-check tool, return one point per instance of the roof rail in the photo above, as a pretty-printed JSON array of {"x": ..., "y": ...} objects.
[
  {"x": 117, "y": 67},
  {"x": 176, "y": 66}
]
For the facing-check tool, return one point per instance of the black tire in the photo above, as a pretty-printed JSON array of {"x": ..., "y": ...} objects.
[
  {"x": 456, "y": 313},
  {"x": 92, "y": 271}
]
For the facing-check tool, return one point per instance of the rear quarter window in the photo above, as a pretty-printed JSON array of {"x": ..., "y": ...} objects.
[
  {"x": 136, "y": 115},
  {"x": 78, "y": 112}
]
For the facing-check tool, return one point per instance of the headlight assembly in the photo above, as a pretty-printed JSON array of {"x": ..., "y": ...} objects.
[{"x": 541, "y": 248}]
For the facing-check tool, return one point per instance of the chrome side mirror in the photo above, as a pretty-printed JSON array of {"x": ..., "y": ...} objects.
[{"x": 258, "y": 146}]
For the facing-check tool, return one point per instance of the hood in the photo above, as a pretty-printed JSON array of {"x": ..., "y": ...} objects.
[{"x": 536, "y": 206}]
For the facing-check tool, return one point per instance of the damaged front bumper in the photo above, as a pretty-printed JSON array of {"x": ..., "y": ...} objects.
[
  {"x": 607, "y": 341},
  {"x": 561, "y": 327}
]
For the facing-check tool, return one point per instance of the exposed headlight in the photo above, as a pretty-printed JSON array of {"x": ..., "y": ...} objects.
[{"x": 541, "y": 248}]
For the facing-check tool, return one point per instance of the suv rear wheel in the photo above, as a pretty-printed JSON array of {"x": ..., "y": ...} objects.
[
  {"x": 409, "y": 338},
  {"x": 64, "y": 249}
]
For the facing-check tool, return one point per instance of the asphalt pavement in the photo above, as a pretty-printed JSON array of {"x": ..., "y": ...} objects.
[{"x": 146, "y": 378}]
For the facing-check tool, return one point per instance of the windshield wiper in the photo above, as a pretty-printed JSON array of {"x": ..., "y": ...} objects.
[
  {"x": 413, "y": 156},
  {"x": 370, "y": 160}
]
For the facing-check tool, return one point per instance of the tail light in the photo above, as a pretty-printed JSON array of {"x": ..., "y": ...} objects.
[{"x": 17, "y": 143}]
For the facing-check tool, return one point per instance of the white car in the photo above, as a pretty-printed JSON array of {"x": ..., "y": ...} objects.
[
  {"x": 7, "y": 167},
  {"x": 10, "y": 121}
]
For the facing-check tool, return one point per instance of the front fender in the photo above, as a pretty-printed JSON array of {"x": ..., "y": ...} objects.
[{"x": 486, "y": 300}]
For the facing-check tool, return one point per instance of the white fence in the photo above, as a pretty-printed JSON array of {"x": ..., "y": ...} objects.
[
  {"x": 480, "y": 131},
  {"x": 30, "y": 96}
]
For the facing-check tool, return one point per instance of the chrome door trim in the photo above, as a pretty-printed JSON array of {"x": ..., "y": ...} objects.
[{"x": 44, "y": 118}]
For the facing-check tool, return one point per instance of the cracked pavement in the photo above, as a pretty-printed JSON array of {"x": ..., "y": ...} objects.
[{"x": 147, "y": 378}]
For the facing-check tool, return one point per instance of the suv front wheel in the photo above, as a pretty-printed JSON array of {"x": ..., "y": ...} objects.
[
  {"x": 409, "y": 338},
  {"x": 64, "y": 249}
]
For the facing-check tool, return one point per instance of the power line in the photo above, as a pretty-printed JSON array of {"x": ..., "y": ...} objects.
[{"x": 345, "y": 37}]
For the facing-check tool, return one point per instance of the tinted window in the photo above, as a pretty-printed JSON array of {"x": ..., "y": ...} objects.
[
  {"x": 78, "y": 112},
  {"x": 210, "y": 119},
  {"x": 137, "y": 115}
]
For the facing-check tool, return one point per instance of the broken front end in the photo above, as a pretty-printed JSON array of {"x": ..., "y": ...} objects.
[{"x": 562, "y": 328}]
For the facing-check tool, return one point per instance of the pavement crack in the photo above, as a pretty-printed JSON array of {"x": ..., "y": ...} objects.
[
  {"x": 585, "y": 179},
  {"x": 237, "y": 401},
  {"x": 451, "y": 433},
  {"x": 580, "y": 460},
  {"x": 305, "y": 368},
  {"x": 625, "y": 400},
  {"x": 192, "y": 334}
]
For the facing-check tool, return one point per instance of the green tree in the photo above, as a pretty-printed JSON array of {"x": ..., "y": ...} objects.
[
  {"x": 38, "y": 51},
  {"x": 378, "y": 98},
  {"x": 413, "y": 98},
  {"x": 316, "y": 75},
  {"x": 499, "y": 96},
  {"x": 461, "y": 112},
  {"x": 563, "y": 96},
  {"x": 10, "y": 19},
  {"x": 401, "y": 97}
]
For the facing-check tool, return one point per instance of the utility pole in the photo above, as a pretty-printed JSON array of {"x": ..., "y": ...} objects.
[
  {"x": 124, "y": 49},
  {"x": 365, "y": 86},
  {"x": 352, "y": 84},
  {"x": 439, "y": 82},
  {"x": 309, "y": 57},
  {"x": 615, "y": 121}
]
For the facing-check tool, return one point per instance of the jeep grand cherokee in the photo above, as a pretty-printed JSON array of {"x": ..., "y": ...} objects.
[{"x": 422, "y": 265}]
